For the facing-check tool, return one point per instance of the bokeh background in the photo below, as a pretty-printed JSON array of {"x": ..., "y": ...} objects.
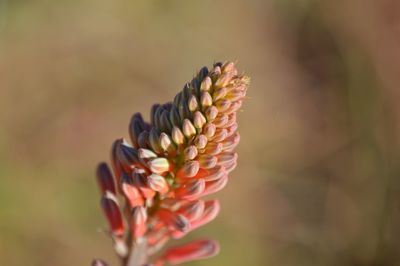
[{"x": 318, "y": 175}]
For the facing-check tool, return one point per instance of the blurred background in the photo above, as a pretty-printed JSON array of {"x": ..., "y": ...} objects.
[{"x": 318, "y": 176}]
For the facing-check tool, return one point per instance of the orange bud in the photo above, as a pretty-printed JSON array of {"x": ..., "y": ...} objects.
[
  {"x": 111, "y": 209},
  {"x": 105, "y": 178},
  {"x": 131, "y": 192},
  {"x": 195, "y": 250}
]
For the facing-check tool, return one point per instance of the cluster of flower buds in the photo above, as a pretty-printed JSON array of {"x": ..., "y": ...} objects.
[{"x": 185, "y": 152}]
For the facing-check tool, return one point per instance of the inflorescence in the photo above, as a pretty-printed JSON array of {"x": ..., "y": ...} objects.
[{"x": 185, "y": 152}]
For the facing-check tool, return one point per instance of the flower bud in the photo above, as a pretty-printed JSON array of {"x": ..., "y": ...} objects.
[
  {"x": 211, "y": 113},
  {"x": 188, "y": 128},
  {"x": 199, "y": 120},
  {"x": 195, "y": 250},
  {"x": 206, "y": 84},
  {"x": 192, "y": 210},
  {"x": 146, "y": 154},
  {"x": 174, "y": 220},
  {"x": 209, "y": 130},
  {"x": 192, "y": 103},
  {"x": 190, "y": 190},
  {"x": 166, "y": 143},
  {"x": 105, "y": 178},
  {"x": 205, "y": 99},
  {"x": 177, "y": 136},
  {"x": 200, "y": 141},
  {"x": 157, "y": 183},
  {"x": 190, "y": 153},
  {"x": 111, "y": 210},
  {"x": 189, "y": 169},
  {"x": 207, "y": 161},
  {"x": 131, "y": 192},
  {"x": 159, "y": 165}
]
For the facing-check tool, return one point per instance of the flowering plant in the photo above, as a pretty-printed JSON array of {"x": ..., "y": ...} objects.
[{"x": 185, "y": 152}]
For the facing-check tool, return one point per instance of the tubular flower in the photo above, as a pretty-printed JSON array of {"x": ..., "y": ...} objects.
[{"x": 185, "y": 152}]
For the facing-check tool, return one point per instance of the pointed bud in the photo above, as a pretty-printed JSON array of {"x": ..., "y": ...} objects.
[
  {"x": 174, "y": 117},
  {"x": 183, "y": 108},
  {"x": 192, "y": 103},
  {"x": 164, "y": 122},
  {"x": 207, "y": 161},
  {"x": 105, "y": 178},
  {"x": 190, "y": 153},
  {"x": 213, "y": 148},
  {"x": 111, "y": 210},
  {"x": 228, "y": 67},
  {"x": 219, "y": 94},
  {"x": 215, "y": 73},
  {"x": 146, "y": 154},
  {"x": 136, "y": 126},
  {"x": 157, "y": 117},
  {"x": 131, "y": 192},
  {"x": 157, "y": 183},
  {"x": 115, "y": 163},
  {"x": 195, "y": 250},
  {"x": 177, "y": 136},
  {"x": 200, "y": 141},
  {"x": 139, "y": 218},
  {"x": 205, "y": 99},
  {"x": 153, "y": 111},
  {"x": 199, "y": 120},
  {"x": 127, "y": 155},
  {"x": 206, "y": 84},
  {"x": 143, "y": 139},
  {"x": 189, "y": 169},
  {"x": 209, "y": 130},
  {"x": 159, "y": 165},
  {"x": 211, "y": 113},
  {"x": 154, "y": 137},
  {"x": 203, "y": 72},
  {"x": 166, "y": 143},
  {"x": 139, "y": 181},
  {"x": 190, "y": 190},
  {"x": 188, "y": 128}
]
